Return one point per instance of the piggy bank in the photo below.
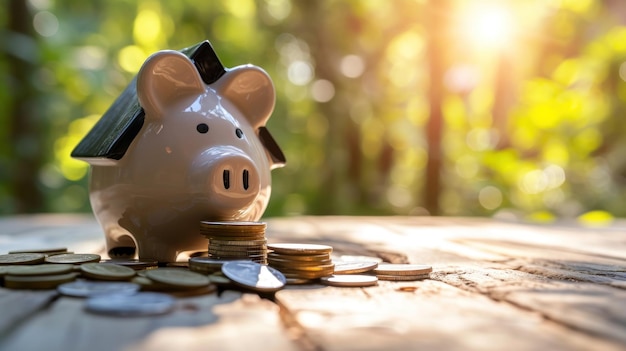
(186, 141)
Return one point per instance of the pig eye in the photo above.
(202, 128)
(239, 133)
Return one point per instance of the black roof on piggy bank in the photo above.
(111, 136)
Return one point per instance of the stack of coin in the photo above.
(236, 240)
(301, 263)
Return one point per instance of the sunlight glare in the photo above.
(488, 25)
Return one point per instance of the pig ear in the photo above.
(165, 77)
(251, 90)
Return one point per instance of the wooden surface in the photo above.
(495, 286)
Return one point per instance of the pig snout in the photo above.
(231, 176)
(235, 176)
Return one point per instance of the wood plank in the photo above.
(19, 305)
(591, 308)
(435, 316)
(232, 321)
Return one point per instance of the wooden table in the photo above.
(495, 286)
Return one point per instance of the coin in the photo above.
(139, 304)
(402, 269)
(290, 263)
(37, 281)
(40, 269)
(299, 281)
(22, 258)
(254, 276)
(45, 251)
(106, 271)
(219, 279)
(86, 289)
(357, 258)
(353, 280)
(73, 258)
(318, 257)
(255, 242)
(305, 275)
(354, 267)
(319, 268)
(178, 277)
(300, 249)
(402, 277)
(133, 263)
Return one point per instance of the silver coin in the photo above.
(254, 276)
(139, 304)
(87, 289)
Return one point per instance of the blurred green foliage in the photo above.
(534, 95)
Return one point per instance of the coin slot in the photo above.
(226, 178)
(246, 176)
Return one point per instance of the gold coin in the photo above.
(40, 269)
(354, 280)
(233, 225)
(177, 277)
(106, 271)
(402, 269)
(354, 267)
(402, 277)
(256, 242)
(289, 263)
(22, 258)
(299, 281)
(305, 275)
(300, 249)
(73, 258)
(177, 265)
(45, 251)
(319, 268)
(38, 281)
(319, 257)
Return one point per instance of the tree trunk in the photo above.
(24, 138)
(436, 40)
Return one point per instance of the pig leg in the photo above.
(120, 244)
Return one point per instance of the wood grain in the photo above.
(495, 285)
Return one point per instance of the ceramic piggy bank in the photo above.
(185, 142)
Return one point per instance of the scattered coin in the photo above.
(175, 277)
(353, 280)
(300, 249)
(22, 258)
(106, 271)
(45, 251)
(402, 269)
(37, 281)
(133, 263)
(205, 265)
(404, 278)
(219, 279)
(254, 276)
(73, 258)
(354, 267)
(86, 289)
(40, 269)
(139, 304)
